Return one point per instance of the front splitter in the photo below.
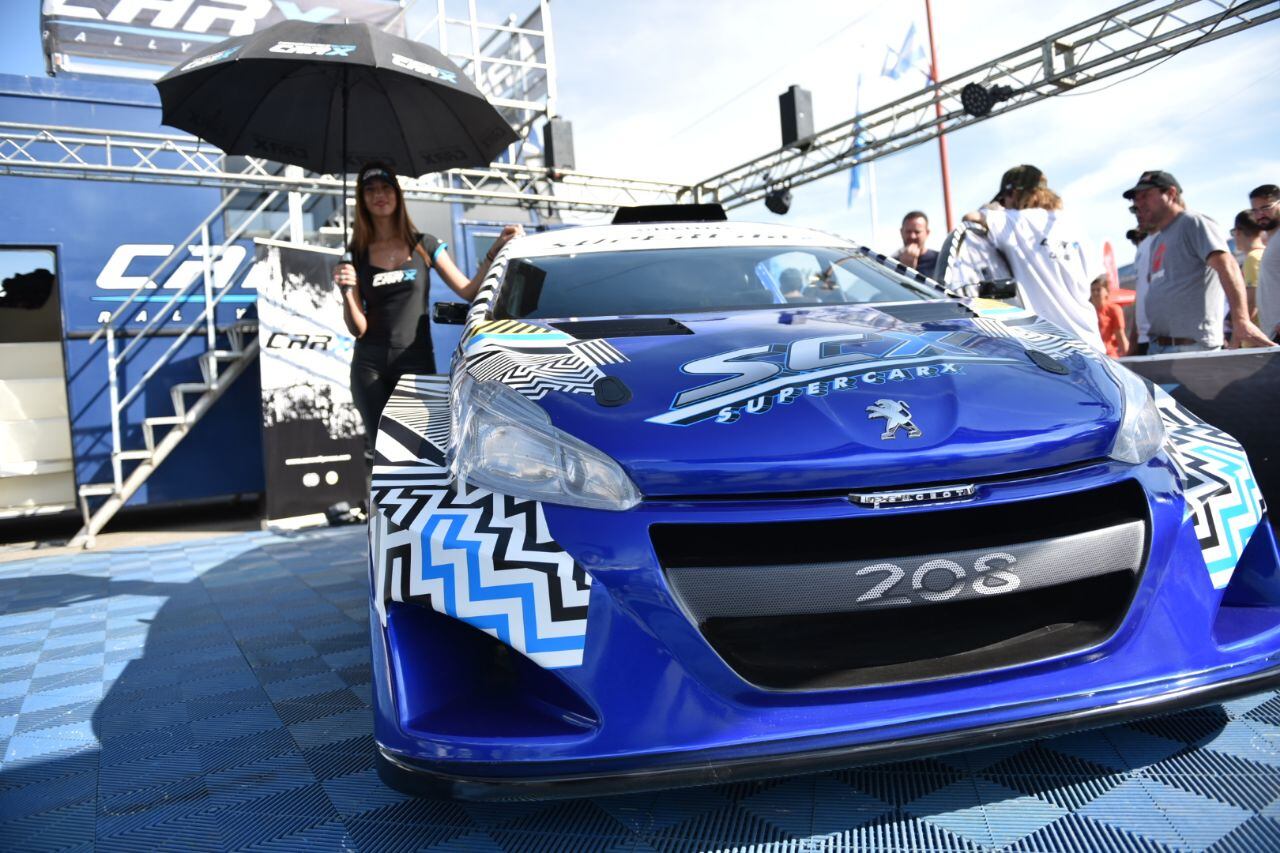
(548, 781)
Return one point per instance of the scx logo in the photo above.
(423, 68)
(761, 376)
(301, 48)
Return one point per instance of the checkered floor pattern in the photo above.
(215, 696)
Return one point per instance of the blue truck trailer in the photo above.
(72, 250)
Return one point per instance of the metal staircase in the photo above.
(228, 352)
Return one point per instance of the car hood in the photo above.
(836, 398)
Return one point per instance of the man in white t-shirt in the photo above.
(1044, 251)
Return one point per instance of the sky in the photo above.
(681, 90)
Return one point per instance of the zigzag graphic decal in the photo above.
(537, 364)
(1036, 334)
(407, 409)
(1221, 494)
(531, 359)
(484, 558)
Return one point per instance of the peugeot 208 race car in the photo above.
(705, 501)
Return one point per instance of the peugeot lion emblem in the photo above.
(896, 414)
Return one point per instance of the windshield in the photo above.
(676, 281)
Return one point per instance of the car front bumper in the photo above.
(652, 704)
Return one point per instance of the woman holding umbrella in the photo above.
(384, 292)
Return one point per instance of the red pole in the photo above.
(937, 106)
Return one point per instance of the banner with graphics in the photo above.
(312, 437)
(164, 32)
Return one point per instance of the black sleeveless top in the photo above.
(395, 301)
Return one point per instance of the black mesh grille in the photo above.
(807, 650)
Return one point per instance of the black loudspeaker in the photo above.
(557, 139)
(796, 106)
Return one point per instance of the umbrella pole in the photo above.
(346, 241)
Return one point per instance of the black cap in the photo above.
(1022, 178)
(1154, 179)
(375, 173)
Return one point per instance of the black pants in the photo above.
(375, 370)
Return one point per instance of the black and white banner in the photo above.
(311, 432)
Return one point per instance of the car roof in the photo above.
(668, 235)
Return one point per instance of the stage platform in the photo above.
(214, 695)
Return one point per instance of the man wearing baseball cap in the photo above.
(1189, 268)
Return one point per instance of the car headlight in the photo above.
(505, 443)
(1141, 433)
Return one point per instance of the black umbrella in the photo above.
(330, 97)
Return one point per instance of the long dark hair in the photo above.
(362, 228)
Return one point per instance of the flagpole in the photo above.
(937, 106)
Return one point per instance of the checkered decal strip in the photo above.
(1217, 484)
(481, 557)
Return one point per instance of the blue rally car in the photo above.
(701, 501)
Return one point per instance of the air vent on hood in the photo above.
(1047, 362)
(924, 312)
(628, 328)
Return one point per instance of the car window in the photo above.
(674, 281)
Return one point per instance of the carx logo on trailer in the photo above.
(132, 265)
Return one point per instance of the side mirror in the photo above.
(1001, 288)
(450, 313)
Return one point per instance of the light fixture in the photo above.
(977, 100)
(778, 200)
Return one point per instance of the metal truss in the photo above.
(1125, 38)
(1132, 35)
(513, 63)
(29, 150)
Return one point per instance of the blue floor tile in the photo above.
(215, 695)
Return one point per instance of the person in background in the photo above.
(1110, 318)
(1188, 271)
(384, 292)
(915, 233)
(1264, 206)
(791, 284)
(1044, 251)
(1138, 338)
(824, 287)
(1247, 236)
